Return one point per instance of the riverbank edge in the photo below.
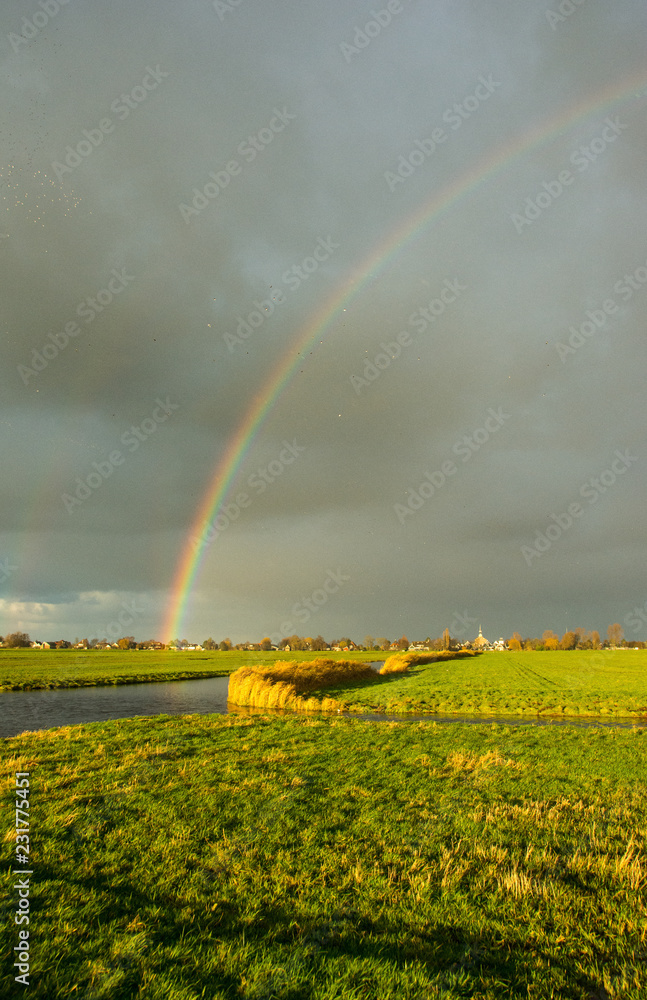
(548, 712)
(57, 685)
(340, 708)
(348, 712)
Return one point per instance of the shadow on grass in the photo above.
(377, 680)
(282, 946)
(451, 955)
(293, 947)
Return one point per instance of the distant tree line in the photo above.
(577, 638)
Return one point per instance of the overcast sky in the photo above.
(170, 168)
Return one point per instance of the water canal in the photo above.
(25, 711)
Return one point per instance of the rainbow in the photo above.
(192, 555)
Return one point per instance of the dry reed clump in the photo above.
(248, 686)
(315, 674)
(282, 684)
(399, 663)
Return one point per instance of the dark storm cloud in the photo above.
(276, 138)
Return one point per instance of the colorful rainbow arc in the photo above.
(192, 556)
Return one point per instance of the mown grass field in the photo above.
(551, 683)
(318, 858)
(27, 669)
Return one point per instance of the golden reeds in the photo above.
(282, 684)
(399, 663)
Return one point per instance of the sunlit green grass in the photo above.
(27, 669)
(314, 858)
(551, 683)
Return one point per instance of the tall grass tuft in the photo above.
(283, 684)
(399, 663)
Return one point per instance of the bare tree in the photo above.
(17, 640)
(615, 633)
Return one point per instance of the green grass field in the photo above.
(550, 683)
(318, 858)
(27, 669)
(529, 683)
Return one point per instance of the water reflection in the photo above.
(23, 711)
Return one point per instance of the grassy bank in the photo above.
(314, 858)
(560, 683)
(307, 686)
(32, 670)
